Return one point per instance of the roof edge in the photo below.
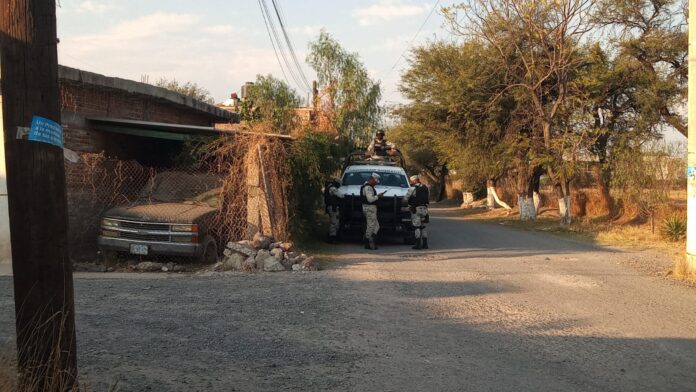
(130, 86)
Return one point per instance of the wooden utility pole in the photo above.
(691, 159)
(43, 283)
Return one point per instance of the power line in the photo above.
(432, 11)
(291, 48)
(268, 30)
(281, 49)
(410, 44)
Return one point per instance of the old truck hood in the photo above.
(160, 212)
(354, 190)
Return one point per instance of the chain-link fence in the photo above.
(236, 187)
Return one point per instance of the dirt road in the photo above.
(488, 308)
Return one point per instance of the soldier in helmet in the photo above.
(369, 197)
(417, 198)
(380, 147)
(332, 201)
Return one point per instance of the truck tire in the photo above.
(108, 256)
(210, 251)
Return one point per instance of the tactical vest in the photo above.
(363, 198)
(420, 197)
(380, 147)
(329, 199)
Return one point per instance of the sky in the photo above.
(221, 44)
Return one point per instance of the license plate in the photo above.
(138, 249)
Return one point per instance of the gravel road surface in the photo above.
(488, 308)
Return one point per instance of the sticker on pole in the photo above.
(46, 131)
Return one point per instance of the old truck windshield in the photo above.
(388, 178)
(179, 186)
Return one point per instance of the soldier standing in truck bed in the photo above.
(380, 147)
(418, 199)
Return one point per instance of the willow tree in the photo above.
(349, 98)
(537, 45)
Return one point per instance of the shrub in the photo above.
(674, 227)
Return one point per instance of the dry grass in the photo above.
(607, 233)
(683, 271)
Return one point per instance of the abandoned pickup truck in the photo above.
(172, 216)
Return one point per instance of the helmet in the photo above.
(380, 133)
(376, 177)
(414, 178)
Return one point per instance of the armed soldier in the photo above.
(418, 199)
(369, 197)
(332, 202)
(380, 147)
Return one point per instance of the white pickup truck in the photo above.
(393, 214)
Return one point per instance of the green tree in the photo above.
(652, 38)
(536, 45)
(272, 100)
(349, 97)
(451, 90)
(188, 89)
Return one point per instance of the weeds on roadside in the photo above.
(674, 228)
(683, 271)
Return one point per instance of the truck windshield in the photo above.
(178, 187)
(388, 178)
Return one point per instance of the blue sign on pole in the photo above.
(46, 131)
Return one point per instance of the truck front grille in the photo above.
(144, 226)
(145, 237)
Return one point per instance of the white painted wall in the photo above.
(5, 255)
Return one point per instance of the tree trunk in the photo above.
(492, 196)
(524, 202)
(490, 190)
(563, 194)
(443, 183)
(532, 195)
(605, 199)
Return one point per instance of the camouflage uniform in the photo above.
(417, 199)
(334, 218)
(417, 219)
(370, 212)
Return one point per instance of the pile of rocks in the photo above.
(264, 254)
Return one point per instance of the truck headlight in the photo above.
(109, 223)
(185, 228)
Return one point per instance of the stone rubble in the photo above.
(260, 254)
(264, 254)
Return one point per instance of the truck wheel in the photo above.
(108, 256)
(210, 251)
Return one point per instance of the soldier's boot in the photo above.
(419, 244)
(425, 243)
(371, 243)
(333, 239)
(367, 243)
(374, 241)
